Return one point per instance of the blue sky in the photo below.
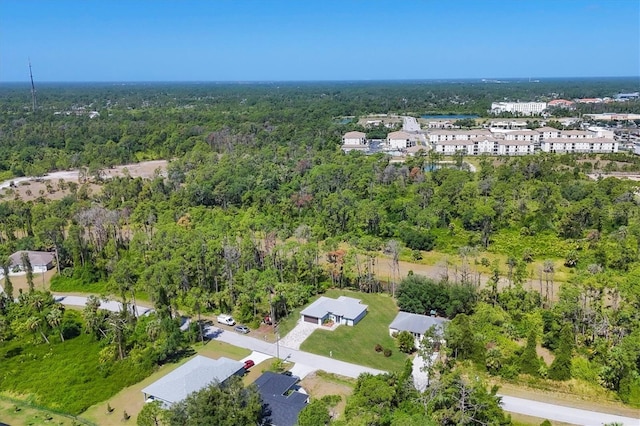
(252, 40)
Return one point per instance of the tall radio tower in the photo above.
(33, 89)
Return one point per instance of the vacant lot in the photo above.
(320, 384)
(356, 344)
(54, 186)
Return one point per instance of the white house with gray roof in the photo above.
(415, 324)
(192, 376)
(343, 310)
(41, 261)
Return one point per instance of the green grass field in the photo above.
(63, 376)
(356, 344)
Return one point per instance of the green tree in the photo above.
(405, 341)
(560, 368)
(151, 414)
(227, 404)
(454, 400)
(28, 268)
(529, 361)
(314, 414)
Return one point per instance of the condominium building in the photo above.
(400, 140)
(579, 145)
(521, 142)
(524, 108)
(354, 141)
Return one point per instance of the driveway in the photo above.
(299, 334)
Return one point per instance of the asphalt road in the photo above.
(563, 414)
(410, 124)
(310, 362)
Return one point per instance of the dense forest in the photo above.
(259, 210)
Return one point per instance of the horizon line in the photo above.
(442, 79)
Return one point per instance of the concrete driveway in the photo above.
(299, 334)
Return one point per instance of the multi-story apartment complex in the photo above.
(524, 108)
(354, 141)
(520, 142)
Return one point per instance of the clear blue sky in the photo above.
(243, 40)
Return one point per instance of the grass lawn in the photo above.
(131, 400)
(30, 416)
(356, 344)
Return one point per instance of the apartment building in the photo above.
(354, 141)
(400, 140)
(521, 142)
(524, 108)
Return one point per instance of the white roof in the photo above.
(415, 323)
(346, 307)
(192, 376)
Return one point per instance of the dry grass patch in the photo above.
(321, 384)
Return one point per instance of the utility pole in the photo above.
(33, 89)
(275, 324)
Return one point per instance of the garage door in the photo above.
(310, 319)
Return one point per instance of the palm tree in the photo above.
(54, 318)
(34, 324)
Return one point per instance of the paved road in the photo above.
(307, 362)
(563, 414)
(107, 305)
(410, 124)
(316, 361)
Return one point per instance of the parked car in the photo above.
(248, 364)
(242, 329)
(226, 319)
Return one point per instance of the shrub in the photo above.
(405, 342)
(378, 347)
(387, 352)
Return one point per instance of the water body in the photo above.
(449, 117)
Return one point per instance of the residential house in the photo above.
(343, 310)
(192, 376)
(41, 261)
(282, 400)
(415, 324)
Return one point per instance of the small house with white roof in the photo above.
(343, 310)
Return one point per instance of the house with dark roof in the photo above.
(343, 310)
(192, 376)
(281, 397)
(415, 324)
